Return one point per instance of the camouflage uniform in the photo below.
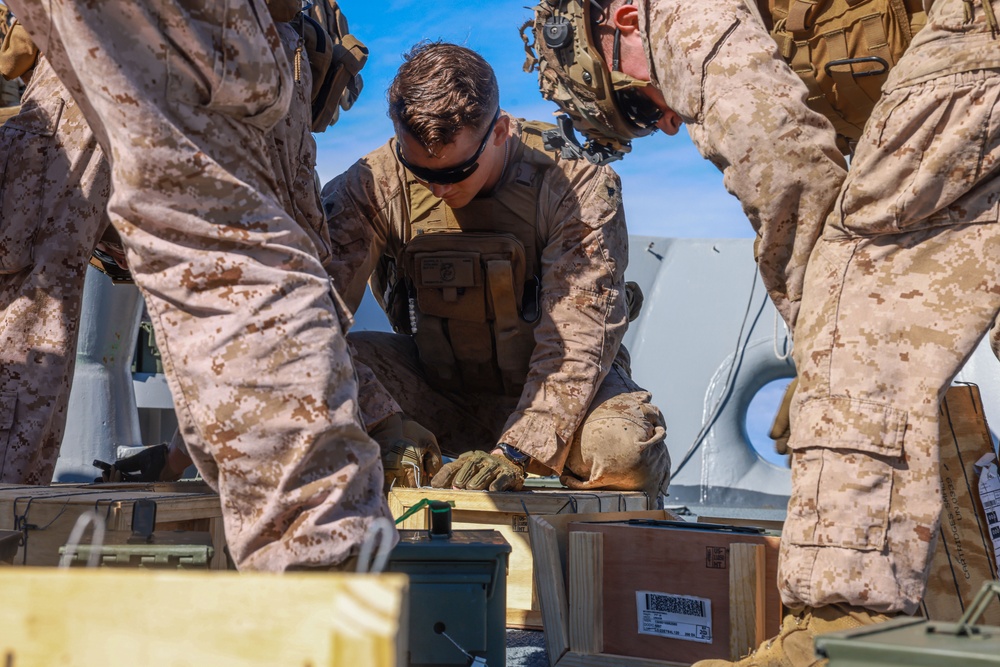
(579, 413)
(719, 69)
(54, 189)
(900, 288)
(180, 96)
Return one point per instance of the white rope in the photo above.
(379, 528)
(75, 535)
(774, 341)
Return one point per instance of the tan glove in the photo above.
(479, 470)
(781, 429)
(410, 453)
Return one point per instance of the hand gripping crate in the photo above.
(45, 515)
(508, 514)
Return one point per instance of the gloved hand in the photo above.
(479, 470)
(781, 429)
(146, 466)
(410, 453)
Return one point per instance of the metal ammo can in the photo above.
(458, 594)
(917, 642)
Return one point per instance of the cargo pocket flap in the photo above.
(845, 423)
(40, 117)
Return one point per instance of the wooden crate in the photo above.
(582, 576)
(161, 618)
(47, 514)
(508, 513)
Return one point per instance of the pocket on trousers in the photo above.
(228, 58)
(843, 488)
(26, 147)
(925, 160)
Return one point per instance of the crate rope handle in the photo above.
(75, 535)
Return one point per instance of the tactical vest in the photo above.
(466, 282)
(843, 51)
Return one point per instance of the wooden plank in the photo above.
(586, 599)
(573, 659)
(524, 619)
(551, 589)
(53, 616)
(747, 568)
(543, 501)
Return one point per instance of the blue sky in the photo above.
(669, 189)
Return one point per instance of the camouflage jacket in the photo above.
(720, 70)
(581, 252)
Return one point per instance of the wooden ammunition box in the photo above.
(45, 515)
(615, 593)
(508, 514)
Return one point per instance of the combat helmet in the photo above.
(604, 106)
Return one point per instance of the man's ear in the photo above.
(501, 130)
(626, 18)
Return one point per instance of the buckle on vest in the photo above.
(854, 61)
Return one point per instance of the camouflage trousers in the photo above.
(180, 93)
(619, 445)
(54, 188)
(900, 289)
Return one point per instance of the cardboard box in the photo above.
(45, 515)
(508, 513)
(575, 601)
(963, 560)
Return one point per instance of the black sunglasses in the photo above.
(454, 174)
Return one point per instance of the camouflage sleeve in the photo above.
(584, 316)
(360, 212)
(746, 112)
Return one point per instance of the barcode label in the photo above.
(674, 616)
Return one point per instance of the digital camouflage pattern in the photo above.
(249, 328)
(54, 188)
(719, 69)
(900, 289)
(582, 252)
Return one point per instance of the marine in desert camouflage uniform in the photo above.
(901, 287)
(54, 189)
(250, 330)
(541, 368)
(898, 292)
(716, 69)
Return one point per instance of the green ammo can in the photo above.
(458, 593)
(917, 642)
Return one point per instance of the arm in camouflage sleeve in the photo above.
(363, 208)
(358, 216)
(584, 316)
(746, 112)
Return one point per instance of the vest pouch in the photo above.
(843, 51)
(468, 287)
(449, 284)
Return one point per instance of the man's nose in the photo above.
(439, 190)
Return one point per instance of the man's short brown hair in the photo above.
(441, 89)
